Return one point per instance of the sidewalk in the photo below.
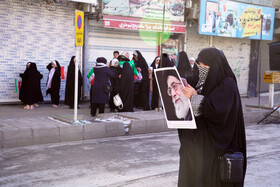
(19, 127)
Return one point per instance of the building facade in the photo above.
(42, 31)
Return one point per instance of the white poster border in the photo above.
(179, 123)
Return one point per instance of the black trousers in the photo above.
(94, 106)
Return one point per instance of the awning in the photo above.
(132, 23)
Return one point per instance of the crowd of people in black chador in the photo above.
(132, 79)
(30, 92)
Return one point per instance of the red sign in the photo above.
(146, 25)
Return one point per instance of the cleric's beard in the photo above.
(182, 107)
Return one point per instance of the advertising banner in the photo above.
(151, 9)
(238, 20)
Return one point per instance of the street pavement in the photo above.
(143, 160)
(45, 124)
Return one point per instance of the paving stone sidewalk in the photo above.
(19, 127)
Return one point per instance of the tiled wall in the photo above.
(33, 31)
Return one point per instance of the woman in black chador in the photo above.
(70, 84)
(155, 97)
(142, 64)
(53, 83)
(186, 70)
(30, 92)
(220, 124)
(127, 87)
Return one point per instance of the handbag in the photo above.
(231, 167)
(118, 101)
(107, 87)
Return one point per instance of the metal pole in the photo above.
(259, 100)
(76, 90)
(211, 41)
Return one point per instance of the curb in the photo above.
(36, 131)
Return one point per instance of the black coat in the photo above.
(70, 84)
(102, 76)
(30, 92)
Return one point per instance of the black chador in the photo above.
(186, 70)
(70, 84)
(127, 87)
(53, 83)
(141, 63)
(30, 92)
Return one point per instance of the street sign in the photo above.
(79, 22)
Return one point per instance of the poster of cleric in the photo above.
(177, 107)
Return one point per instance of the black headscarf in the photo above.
(219, 68)
(142, 63)
(183, 64)
(57, 68)
(165, 60)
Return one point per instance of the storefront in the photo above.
(132, 30)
